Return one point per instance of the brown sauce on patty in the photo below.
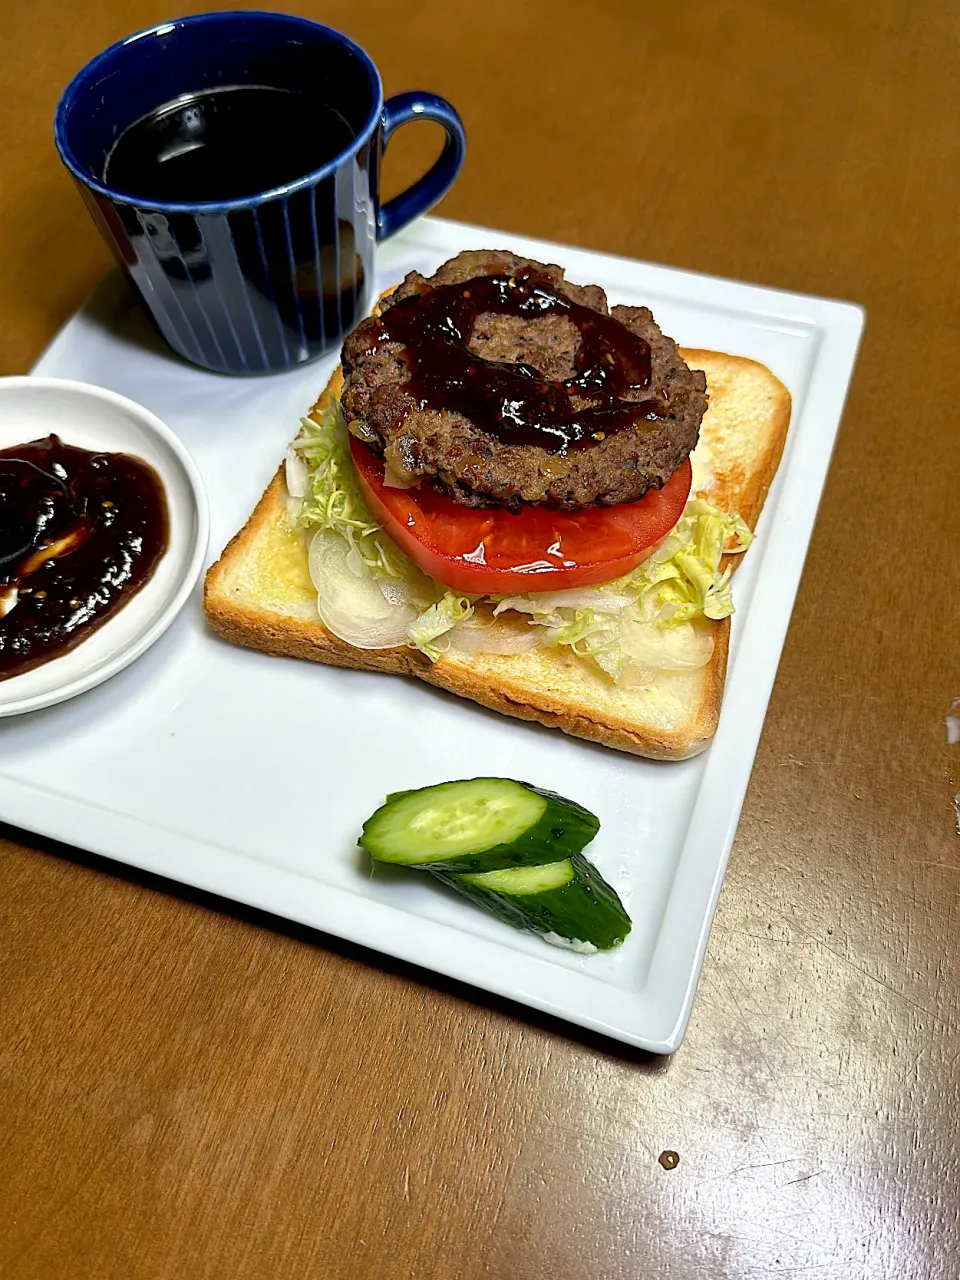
(513, 401)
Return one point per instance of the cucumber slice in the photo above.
(569, 903)
(477, 825)
(518, 882)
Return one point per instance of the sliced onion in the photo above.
(296, 473)
(492, 637)
(413, 588)
(395, 591)
(680, 648)
(393, 479)
(547, 601)
(366, 434)
(355, 562)
(352, 607)
(365, 633)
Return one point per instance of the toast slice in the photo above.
(259, 595)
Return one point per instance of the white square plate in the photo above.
(250, 776)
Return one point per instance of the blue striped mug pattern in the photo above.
(267, 282)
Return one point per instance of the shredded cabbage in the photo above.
(436, 621)
(618, 627)
(590, 634)
(333, 499)
(682, 578)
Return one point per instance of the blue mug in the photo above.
(266, 281)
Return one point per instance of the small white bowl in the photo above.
(93, 418)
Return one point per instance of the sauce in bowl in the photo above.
(80, 534)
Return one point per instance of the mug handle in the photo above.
(438, 180)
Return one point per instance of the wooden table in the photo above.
(190, 1091)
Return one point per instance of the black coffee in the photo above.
(226, 143)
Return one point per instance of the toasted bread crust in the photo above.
(490, 679)
(556, 690)
(734, 488)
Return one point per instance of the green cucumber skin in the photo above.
(563, 829)
(587, 908)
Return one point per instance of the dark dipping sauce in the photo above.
(80, 534)
(515, 402)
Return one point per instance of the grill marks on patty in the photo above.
(476, 468)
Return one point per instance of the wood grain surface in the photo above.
(189, 1091)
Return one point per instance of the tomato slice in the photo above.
(493, 551)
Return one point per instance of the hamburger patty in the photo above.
(477, 467)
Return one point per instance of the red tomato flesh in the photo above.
(493, 551)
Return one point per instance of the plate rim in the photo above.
(648, 1023)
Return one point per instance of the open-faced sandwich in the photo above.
(515, 493)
